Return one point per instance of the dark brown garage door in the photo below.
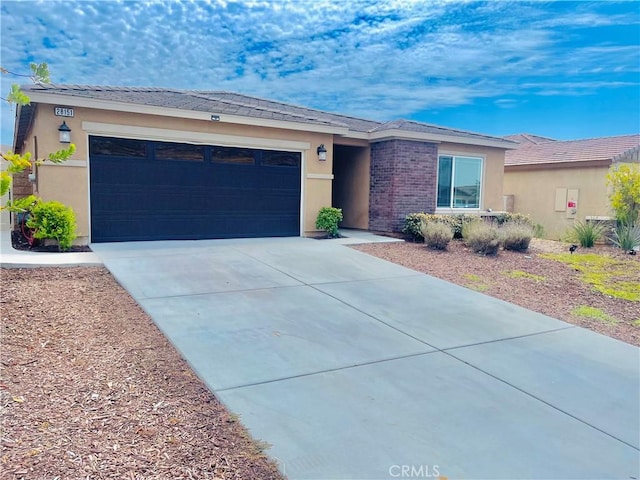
(146, 190)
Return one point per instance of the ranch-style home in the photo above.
(159, 163)
(558, 183)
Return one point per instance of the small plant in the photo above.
(626, 236)
(53, 220)
(476, 283)
(328, 219)
(516, 236)
(594, 313)
(436, 235)
(523, 274)
(587, 233)
(482, 237)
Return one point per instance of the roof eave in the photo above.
(82, 102)
(557, 165)
(397, 134)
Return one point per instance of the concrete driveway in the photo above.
(355, 368)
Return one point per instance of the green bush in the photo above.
(483, 237)
(53, 220)
(587, 233)
(516, 236)
(626, 236)
(328, 219)
(437, 235)
(413, 225)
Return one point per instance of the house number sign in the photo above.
(63, 112)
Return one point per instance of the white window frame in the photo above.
(451, 209)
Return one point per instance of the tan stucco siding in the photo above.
(534, 194)
(492, 174)
(69, 183)
(351, 186)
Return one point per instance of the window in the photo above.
(280, 159)
(233, 156)
(179, 151)
(117, 147)
(459, 181)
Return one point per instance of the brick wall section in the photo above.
(403, 181)
(21, 186)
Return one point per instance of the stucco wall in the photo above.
(351, 185)
(535, 193)
(69, 182)
(492, 174)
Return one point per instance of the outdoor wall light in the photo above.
(65, 133)
(322, 153)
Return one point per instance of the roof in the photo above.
(234, 106)
(529, 139)
(604, 150)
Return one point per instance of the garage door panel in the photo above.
(146, 198)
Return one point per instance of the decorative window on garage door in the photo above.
(459, 181)
(183, 152)
(118, 147)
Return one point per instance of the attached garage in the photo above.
(150, 190)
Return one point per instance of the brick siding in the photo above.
(403, 181)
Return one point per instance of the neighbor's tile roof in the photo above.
(221, 102)
(591, 149)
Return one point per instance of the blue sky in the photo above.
(559, 69)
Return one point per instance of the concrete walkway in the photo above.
(351, 367)
(12, 258)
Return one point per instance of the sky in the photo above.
(564, 70)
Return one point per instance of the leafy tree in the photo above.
(624, 181)
(17, 162)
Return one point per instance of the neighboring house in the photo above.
(559, 182)
(155, 163)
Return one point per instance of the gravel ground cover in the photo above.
(91, 389)
(530, 280)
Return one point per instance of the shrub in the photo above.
(437, 235)
(328, 219)
(587, 233)
(516, 236)
(413, 225)
(482, 237)
(55, 221)
(507, 217)
(626, 236)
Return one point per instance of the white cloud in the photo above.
(379, 59)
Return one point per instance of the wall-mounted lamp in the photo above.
(65, 133)
(322, 153)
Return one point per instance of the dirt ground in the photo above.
(91, 389)
(557, 291)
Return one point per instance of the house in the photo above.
(560, 182)
(158, 163)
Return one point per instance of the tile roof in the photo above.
(222, 102)
(572, 151)
(527, 138)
